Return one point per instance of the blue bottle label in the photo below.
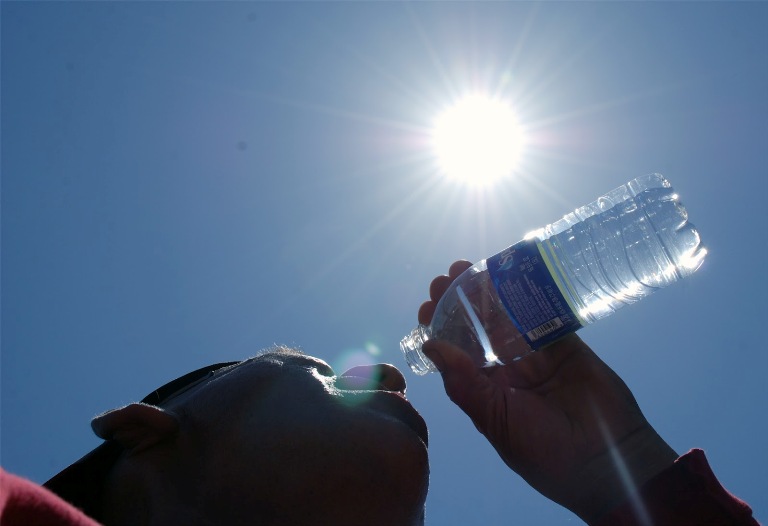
(531, 295)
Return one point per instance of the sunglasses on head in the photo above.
(183, 384)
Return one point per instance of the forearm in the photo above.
(616, 476)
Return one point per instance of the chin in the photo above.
(407, 471)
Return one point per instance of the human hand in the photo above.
(560, 417)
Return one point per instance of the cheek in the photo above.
(333, 444)
(330, 455)
(373, 453)
(385, 472)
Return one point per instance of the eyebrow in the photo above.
(280, 350)
(304, 358)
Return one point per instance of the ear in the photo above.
(136, 427)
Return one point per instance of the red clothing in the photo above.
(688, 493)
(685, 494)
(24, 503)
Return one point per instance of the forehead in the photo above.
(280, 357)
(270, 363)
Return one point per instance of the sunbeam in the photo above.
(631, 489)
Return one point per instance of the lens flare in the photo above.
(361, 381)
(350, 358)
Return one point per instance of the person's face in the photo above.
(285, 439)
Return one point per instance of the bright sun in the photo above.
(478, 140)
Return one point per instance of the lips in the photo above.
(394, 404)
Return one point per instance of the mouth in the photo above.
(394, 404)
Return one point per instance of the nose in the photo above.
(380, 376)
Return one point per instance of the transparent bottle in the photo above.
(610, 253)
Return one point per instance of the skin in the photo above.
(560, 417)
(279, 439)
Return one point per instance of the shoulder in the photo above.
(24, 502)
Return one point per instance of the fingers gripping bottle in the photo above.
(571, 273)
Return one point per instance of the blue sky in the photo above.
(187, 183)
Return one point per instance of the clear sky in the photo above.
(187, 183)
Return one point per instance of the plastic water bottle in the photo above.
(600, 257)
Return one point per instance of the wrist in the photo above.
(617, 474)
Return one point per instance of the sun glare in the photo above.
(478, 140)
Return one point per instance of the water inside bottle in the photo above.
(612, 256)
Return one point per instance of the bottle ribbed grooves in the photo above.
(411, 347)
(597, 286)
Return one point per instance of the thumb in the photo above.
(464, 384)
